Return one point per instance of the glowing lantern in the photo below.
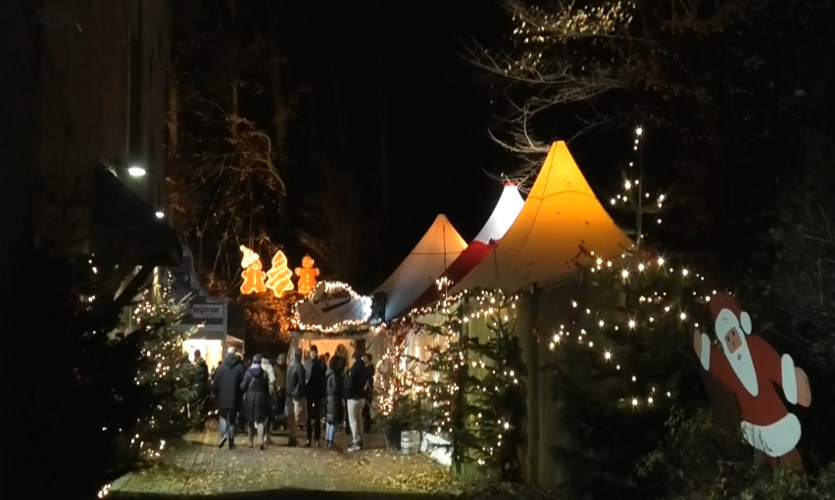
(253, 273)
(279, 277)
(307, 275)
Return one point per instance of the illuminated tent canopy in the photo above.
(561, 223)
(438, 248)
(506, 211)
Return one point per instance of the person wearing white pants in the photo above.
(355, 388)
(355, 407)
(296, 403)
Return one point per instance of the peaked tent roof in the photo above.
(506, 211)
(438, 248)
(561, 221)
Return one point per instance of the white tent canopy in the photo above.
(507, 209)
(438, 248)
(561, 223)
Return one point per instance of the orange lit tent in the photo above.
(438, 248)
(562, 222)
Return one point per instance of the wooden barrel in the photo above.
(410, 442)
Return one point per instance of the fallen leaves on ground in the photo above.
(250, 470)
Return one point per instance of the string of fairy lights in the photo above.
(538, 30)
(158, 310)
(359, 321)
(430, 372)
(636, 197)
(655, 307)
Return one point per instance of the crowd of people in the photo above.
(327, 391)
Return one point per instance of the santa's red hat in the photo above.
(723, 305)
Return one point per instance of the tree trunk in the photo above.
(280, 113)
(382, 109)
(233, 54)
(173, 117)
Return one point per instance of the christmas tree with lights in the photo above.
(397, 387)
(496, 393)
(444, 376)
(624, 357)
(471, 384)
(165, 372)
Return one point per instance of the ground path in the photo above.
(196, 467)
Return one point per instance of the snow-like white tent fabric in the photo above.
(438, 248)
(561, 223)
(507, 209)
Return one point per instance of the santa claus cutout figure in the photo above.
(752, 370)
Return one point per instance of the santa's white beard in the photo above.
(743, 365)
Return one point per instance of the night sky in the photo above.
(377, 84)
(411, 63)
(438, 115)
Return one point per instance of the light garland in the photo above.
(539, 31)
(342, 326)
(435, 378)
(636, 197)
(164, 370)
(657, 307)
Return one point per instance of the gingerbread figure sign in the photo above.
(253, 273)
(279, 278)
(307, 275)
(752, 370)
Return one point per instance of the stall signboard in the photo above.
(333, 305)
(206, 315)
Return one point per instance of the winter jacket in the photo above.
(257, 399)
(355, 381)
(295, 380)
(200, 377)
(268, 370)
(280, 371)
(333, 385)
(226, 385)
(315, 370)
(370, 371)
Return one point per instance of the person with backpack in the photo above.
(226, 388)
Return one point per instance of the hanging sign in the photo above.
(205, 315)
(332, 306)
(207, 311)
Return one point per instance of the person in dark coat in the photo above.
(369, 392)
(296, 403)
(256, 385)
(333, 406)
(226, 387)
(355, 387)
(200, 385)
(314, 370)
(281, 391)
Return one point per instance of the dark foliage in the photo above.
(624, 357)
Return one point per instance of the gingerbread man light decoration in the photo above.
(253, 273)
(279, 277)
(307, 275)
